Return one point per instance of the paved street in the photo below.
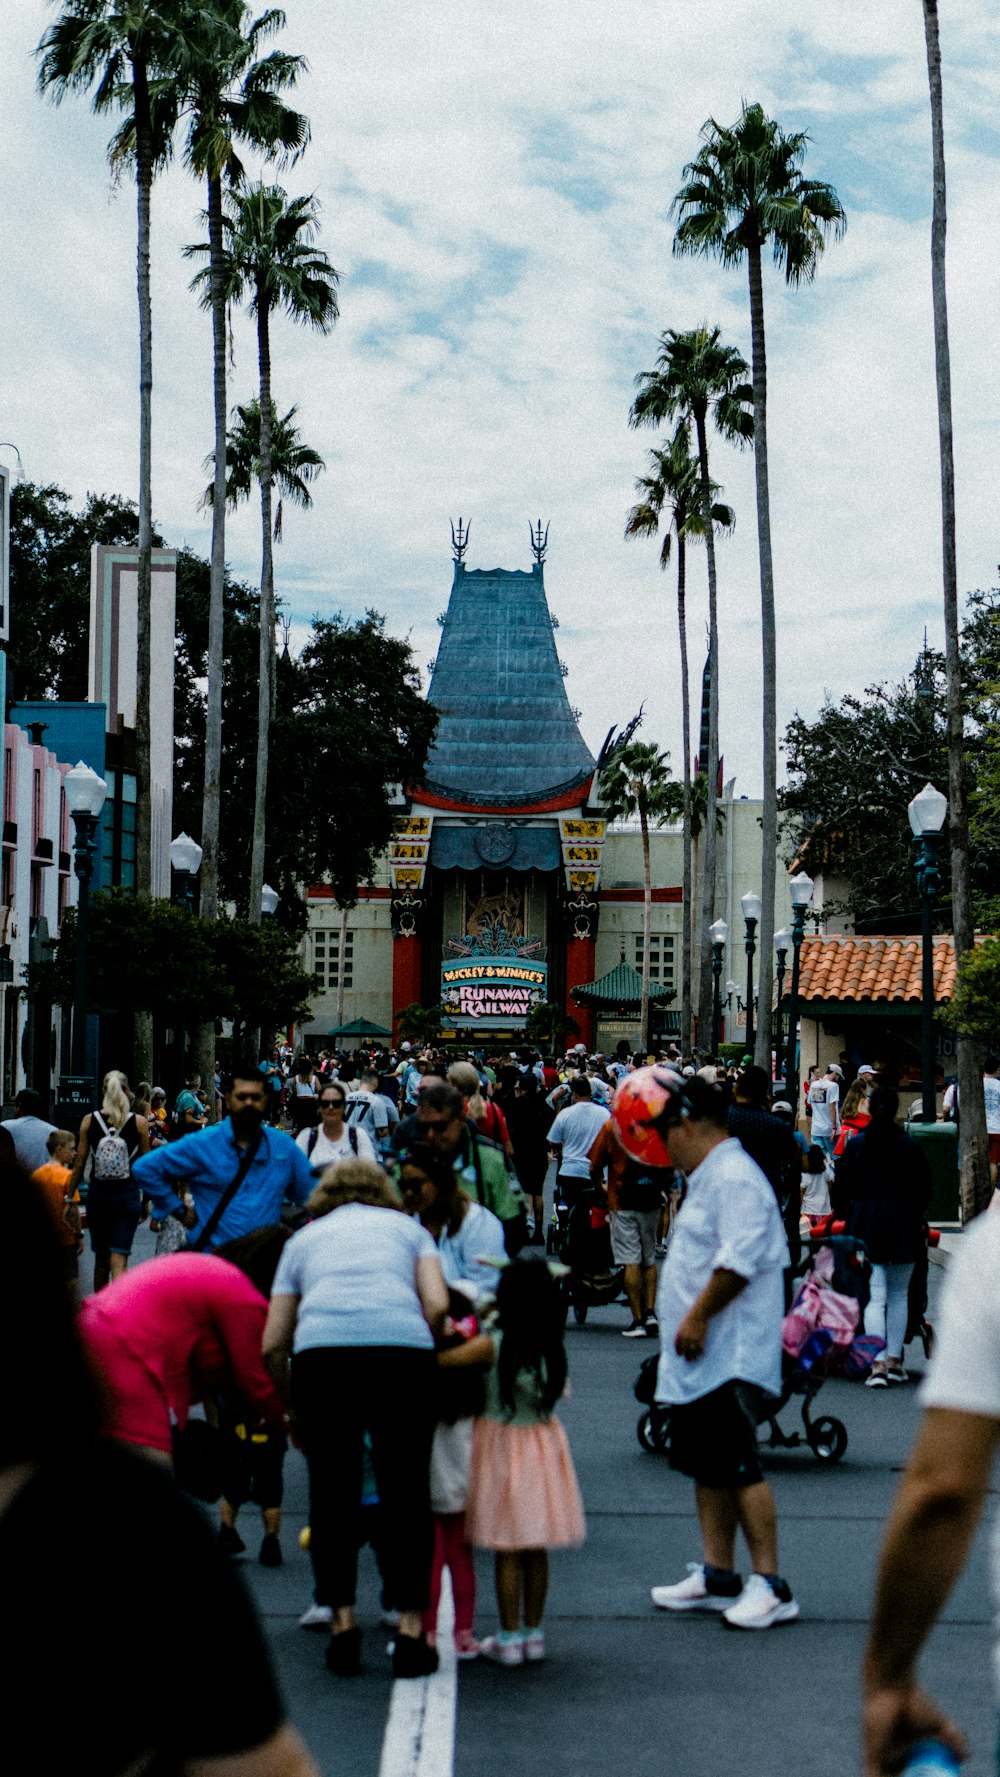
(625, 1689)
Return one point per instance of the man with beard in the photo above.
(238, 1173)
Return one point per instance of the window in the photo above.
(661, 958)
(326, 958)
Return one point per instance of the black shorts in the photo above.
(113, 1215)
(252, 1466)
(714, 1439)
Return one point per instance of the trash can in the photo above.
(940, 1143)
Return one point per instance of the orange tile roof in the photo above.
(868, 969)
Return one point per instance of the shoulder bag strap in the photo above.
(228, 1194)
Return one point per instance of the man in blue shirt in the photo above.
(205, 1164)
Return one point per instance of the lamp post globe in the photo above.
(185, 858)
(782, 940)
(751, 905)
(718, 931)
(927, 813)
(800, 891)
(269, 899)
(85, 793)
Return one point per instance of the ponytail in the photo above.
(116, 1105)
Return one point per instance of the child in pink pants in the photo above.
(451, 1459)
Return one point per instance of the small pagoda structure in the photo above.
(496, 860)
(617, 997)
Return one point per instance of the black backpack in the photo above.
(641, 1187)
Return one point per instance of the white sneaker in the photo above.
(318, 1616)
(502, 1653)
(636, 1330)
(759, 1607)
(534, 1645)
(692, 1593)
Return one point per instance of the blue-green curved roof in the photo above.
(507, 732)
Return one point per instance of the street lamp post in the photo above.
(718, 932)
(185, 858)
(750, 904)
(800, 889)
(85, 794)
(927, 814)
(782, 940)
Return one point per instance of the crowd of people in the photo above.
(354, 1257)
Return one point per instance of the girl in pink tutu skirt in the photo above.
(523, 1494)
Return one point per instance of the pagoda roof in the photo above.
(507, 735)
(621, 986)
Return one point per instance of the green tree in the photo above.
(671, 490)
(745, 190)
(233, 98)
(696, 376)
(420, 1024)
(272, 262)
(128, 52)
(294, 465)
(975, 1009)
(637, 783)
(550, 1025)
(975, 1172)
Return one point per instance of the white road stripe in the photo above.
(419, 1738)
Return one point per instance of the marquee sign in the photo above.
(488, 991)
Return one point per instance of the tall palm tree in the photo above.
(696, 375)
(130, 51)
(638, 782)
(294, 465)
(745, 190)
(672, 489)
(271, 262)
(974, 1173)
(233, 99)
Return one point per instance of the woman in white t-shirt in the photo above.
(333, 1141)
(356, 1303)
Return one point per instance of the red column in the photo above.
(581, 965)
(407, 973)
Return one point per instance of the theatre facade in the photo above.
(505, 885)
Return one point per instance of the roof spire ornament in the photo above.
(459, 540)
(539, 543)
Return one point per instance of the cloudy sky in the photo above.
(495, 183)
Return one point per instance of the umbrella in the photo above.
(360, 1027)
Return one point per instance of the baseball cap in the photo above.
(782, 1104)
(865, 1069)
(834, 1069)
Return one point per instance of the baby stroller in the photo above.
(828, 1328)
(580, 1238)
(917, 1325)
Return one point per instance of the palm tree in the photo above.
(272, 263)
(744, 190)
(696, 375)
(975, 1177)
(293, 464)
(672, 487)
(637, 782)
(232, 98)
(129, 50)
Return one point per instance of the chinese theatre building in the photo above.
(502, 859)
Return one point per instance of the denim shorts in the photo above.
(113, 1215)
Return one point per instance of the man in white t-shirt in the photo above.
(572, 1136)
(938, 1506)
(720, 1306)
(824, 1103)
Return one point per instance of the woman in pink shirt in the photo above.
(176, 1330)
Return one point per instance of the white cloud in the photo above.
(495, 185)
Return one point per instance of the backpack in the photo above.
(641, 1188)
(112, 1161)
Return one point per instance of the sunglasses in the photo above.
(330, 1104)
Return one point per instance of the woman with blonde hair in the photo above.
(485, 1114)
(111, 1138)
(358, 1298)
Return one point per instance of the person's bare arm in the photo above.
(722, 1288)
(82, 1150)
(276, 1347)
(284, 1755)
(933, 1521)
(480, 1350)
(142, 1131)
(432, 1290)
